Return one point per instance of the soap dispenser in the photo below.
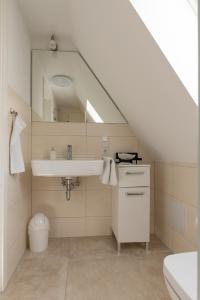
(52, 154)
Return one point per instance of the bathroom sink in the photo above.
(66, 168)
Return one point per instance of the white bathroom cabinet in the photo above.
(131, 205)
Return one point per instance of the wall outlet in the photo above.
(104, 146)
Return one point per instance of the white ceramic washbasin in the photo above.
(66, 168)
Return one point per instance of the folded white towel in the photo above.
(109, 175)
(16, 157)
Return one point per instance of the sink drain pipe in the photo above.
(70, 183)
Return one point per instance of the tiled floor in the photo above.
(90, 269)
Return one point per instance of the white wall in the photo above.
(39, 42)
(131, 66)
(123, 54)
(16, 77)
(3, 90)
(18, 51)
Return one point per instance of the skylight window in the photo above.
(173, 24)
(193, 4)
(93, 113)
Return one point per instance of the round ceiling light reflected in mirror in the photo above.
(61, 80)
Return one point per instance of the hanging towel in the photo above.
(109, 175)
(113, 174)
(16, 156)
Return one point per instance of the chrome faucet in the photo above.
(69, 152)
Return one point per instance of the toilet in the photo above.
(180, 273)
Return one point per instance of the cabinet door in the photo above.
(134, 176)
(134, 215)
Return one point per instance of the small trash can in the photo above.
(38, 231)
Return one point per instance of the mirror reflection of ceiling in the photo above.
(64, 89)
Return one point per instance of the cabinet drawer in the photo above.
(133, 194)
(134, 176)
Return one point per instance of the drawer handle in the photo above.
(134, 173)
(135, 194)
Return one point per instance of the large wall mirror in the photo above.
(64, 89)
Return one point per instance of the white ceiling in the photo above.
(44, 17)
(116, 44)
(66, 97)
(47, 16)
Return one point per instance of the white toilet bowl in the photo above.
(180, 272)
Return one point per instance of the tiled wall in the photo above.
(88, 212)
(19, 190)
(176, 205)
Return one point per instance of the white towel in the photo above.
(113, 174)
(109, 175)
(16, 156)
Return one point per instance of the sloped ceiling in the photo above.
(119, 48)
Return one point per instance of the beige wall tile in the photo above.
(152, 200)
(109, 130)
(145, 153)
(165, 178)
(176, 183)
(67, 227)
(152, 208)
(98, 226)
(55, 128)
(54, 204)
(192, 224)
(152, 175)
(180, 244)
(179, 181)
(48, 194)
(41, 146)
(98, 203)
(185, 184)
(159, 211)
(116, 144)
(170, 212)
(94, 183)
(53, 184)
(165, 234)
(152, 225)
(94, 147)
(47, 184)
(120, 144)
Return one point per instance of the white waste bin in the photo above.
(38, 231)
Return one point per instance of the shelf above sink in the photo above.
(66, 168)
